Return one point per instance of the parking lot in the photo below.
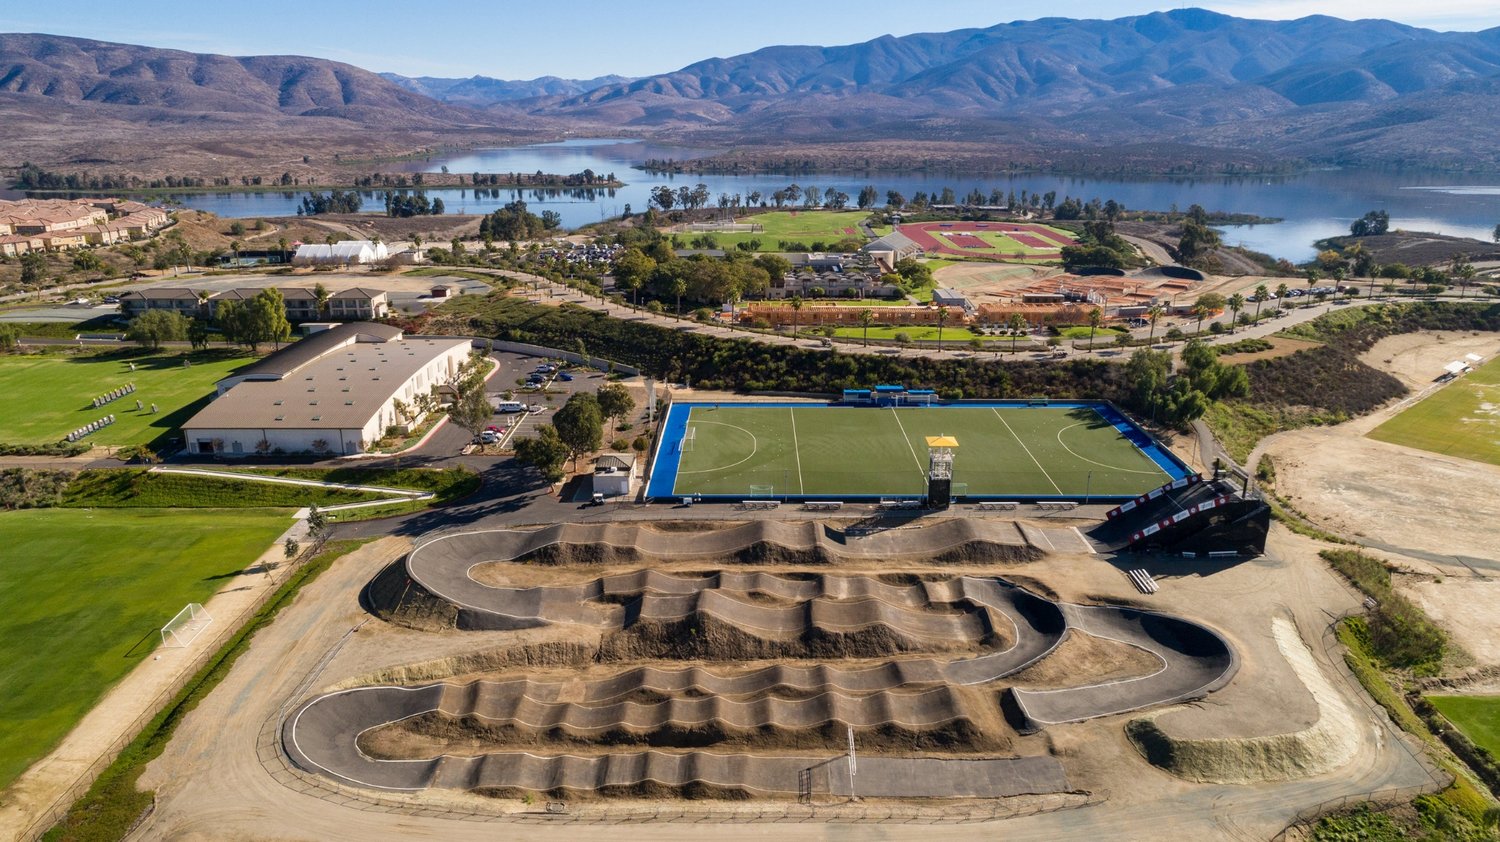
(509, 383)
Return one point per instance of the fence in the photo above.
(59, 807)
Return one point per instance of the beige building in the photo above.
(335, 392)
(30, 224)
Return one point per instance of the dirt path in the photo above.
(137, 697)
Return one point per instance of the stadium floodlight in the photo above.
(181, 630)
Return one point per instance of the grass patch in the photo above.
(1476, 716)
(1457, 420)
(50, 395)
(137, 488)
(1397, 633)
(82, 595)
(446, 484)
(1244, 346)
(113, 803)
(917, 333)
(1082, 332)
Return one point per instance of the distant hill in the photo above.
(481, 91)
(168, 84)
(1187, 75)
(1186, 85)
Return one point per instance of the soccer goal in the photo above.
(762, 490)
(190, 622)
(688, 439)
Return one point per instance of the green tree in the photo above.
(580, 424)
(1155, 312)
(1372, 224)
(1208, 302)
(942, 318)
(1197, 241)
(633, 268)
(679, 286)
(472, 410)
(546, 452)
(154, 327)
(10, 336)
(1235, 303)
(322, 295)
(268, 316)
(1096, 318)
(1017, 324)
(867, 318)
(796, 309)
(615, 403)
(1261, 294)
(1281, 295)
(33, 267)
(198, 334)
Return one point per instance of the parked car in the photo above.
(489, 437)
(564, 376)
(111, 299)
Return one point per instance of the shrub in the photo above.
(1400, 635)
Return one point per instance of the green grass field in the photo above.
(842, 451)
(83, 593)
(918, 333)
(805, 227)
(1461, 419)
(49, 395)
(1477, 716)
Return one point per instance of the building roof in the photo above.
(894, 241)
(612, 461)
(340, 390)
(161, 293)
(293, 357)
(358, 292)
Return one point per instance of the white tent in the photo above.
(342, 252)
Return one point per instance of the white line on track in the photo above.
(796, 451)
(1027, 449)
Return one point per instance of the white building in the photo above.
(334, 392)
(613, 475)
(342, 253)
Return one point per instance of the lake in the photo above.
(1314, 204)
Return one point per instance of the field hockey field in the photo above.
(806, 227)
(812, 450)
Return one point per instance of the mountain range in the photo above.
(1317, 89)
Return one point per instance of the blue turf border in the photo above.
(669, 451)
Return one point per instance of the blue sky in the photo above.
(585, 38)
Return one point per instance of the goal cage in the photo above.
(762, 491)
(688, 439)
(180, 631)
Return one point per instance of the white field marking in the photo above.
(1027, 449)
(915, 458)
(796, 450)
(754, 448)
(1087, 547)
(1076, 455)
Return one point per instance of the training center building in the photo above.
(334, 392)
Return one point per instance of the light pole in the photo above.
(1088, 485)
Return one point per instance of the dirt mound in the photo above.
(703, 638)
(1083, 658)
(394, 597)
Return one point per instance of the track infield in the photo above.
(1014, 241)
(809, 451)
(1461, 419)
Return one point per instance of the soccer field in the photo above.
(810, 450)
(1461, 419)
(83, 593)
(49, 395)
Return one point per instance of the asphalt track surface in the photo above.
(916, 694)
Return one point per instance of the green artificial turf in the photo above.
(83, 594)
(46, 396)
(844, 451)
(1477, 716)
(1461, 419)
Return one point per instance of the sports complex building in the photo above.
(886, 442)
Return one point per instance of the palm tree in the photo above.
(679, 286)
(796, 308)
(866, 318)
(1153, 314)
(1281, 291)
(1261, 294)
(281, 244)
(234, 246)
(1016, 323)
(1200, 311)
(942, 317)
(1096, 317)
(1236, 302)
